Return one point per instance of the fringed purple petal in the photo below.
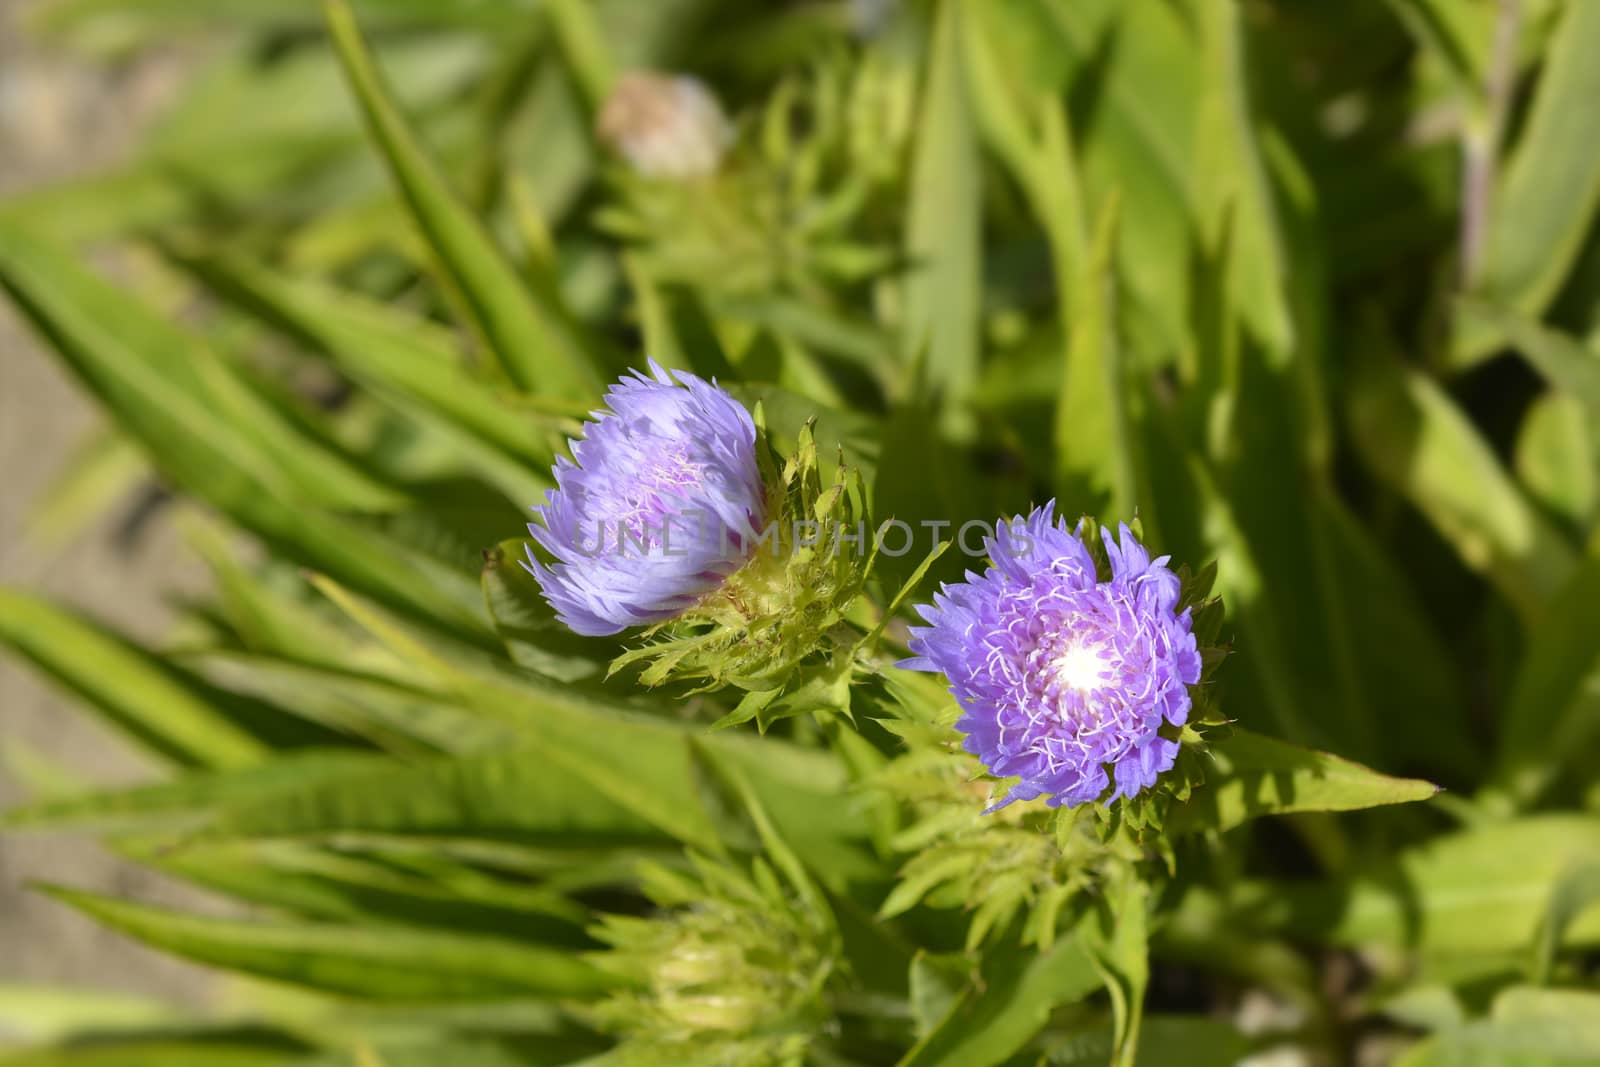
(654, 509)
(1064, 680)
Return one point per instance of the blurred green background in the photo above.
(1313, 288)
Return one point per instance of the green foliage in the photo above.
(1309, 290)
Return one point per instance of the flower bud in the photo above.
(731, 973)
(665, 126)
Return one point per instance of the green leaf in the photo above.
(1480, 890)
(171, 714)
(1577, 890)
(816, 327)
(1417, 440)
(1551, 190)
(545, 1051)
(540, 346)
(1392, 638)
(89, 21)
(643, 764)
(237, 95)
(268, 617)
(528, 625)
(1458, 34)
(143, 194)
(193, 798)
(1526, 1027)
(1026, 122)
(154, 383)
(1554, 706)
(379, 701)
(1094, 448)
(1562, 361)
(1136, 69)
(1253, 776)
(1119, 944)
(934, 982)
(160, 1051)
(585, 48)
(1555, 457)
(41, 1013)
(345, 885)
(1277, 688)
(1232, 188)
(986, 1025)
(943, 237)
(104, 468)
(777, 849)
(152, 374)
(527, 794)
(808, 796)
(409, 362)
(372, 963)
(1193, 1041)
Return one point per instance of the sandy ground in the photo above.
(59, 117)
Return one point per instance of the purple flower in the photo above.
(655, 508)
(1060, 674)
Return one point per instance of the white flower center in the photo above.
(1079, 667)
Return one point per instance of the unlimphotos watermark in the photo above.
(677, 535)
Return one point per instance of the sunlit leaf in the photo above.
(1253, 776)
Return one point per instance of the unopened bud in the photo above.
(665, 126)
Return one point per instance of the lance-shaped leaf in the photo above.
(943, 236)
(192, 798)
(346, 886)
(1136, 76)
(1557, 447)
(541, 347)
(1094, 445)
(40, 1012)
(1253, 775)
(373, 963)
(153, 374)
(410, 362)
(1417, 440)
(173, 715)
(986, 1025)
(1551, 191)
(165, 1049)
(1554, 706)
(532, 794)
(234, 454)
(1231, 183)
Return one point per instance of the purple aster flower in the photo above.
(1061, 675)
(655, 508)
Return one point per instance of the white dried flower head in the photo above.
(665, 126)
